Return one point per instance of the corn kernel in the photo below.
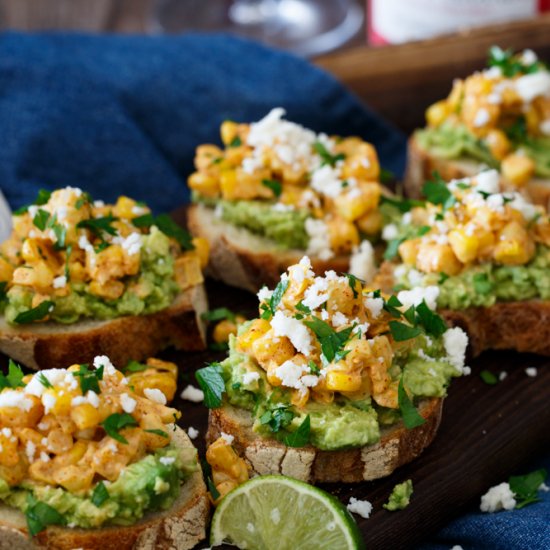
(187, 271)
(223, 330)
(498, 143)
(342, 381)
(464, 245)
(517, 169)
(204, 184)
(111, 290)
(343, 235)
(85, 416)
(437, 113)
(370, 223)
(257, 328)
(228, 131)
(202, 249)
(408, 250)
(124, 208)
(437, 258)
(6, 270)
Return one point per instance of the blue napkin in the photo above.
(123, 115)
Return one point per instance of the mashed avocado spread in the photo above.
(483, 285)
(454, 141)
(152, 483)
(343, 423)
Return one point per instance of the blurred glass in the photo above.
(305, 27)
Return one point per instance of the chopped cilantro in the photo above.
(98, 226)
(41, 218)
(488, 377)
(39, 515)
(326, 157)
(44, 381)
(36, 313)
(89, 379)
(274, 185)
(218, 314)
(313, 368)
(352, 281)
(116, 422)
(100, 494)
(411, 417)
(401, 332)
(330, 340)
(14, 378)
(437, 192)
(168, 226)
(401, 203)
(392, 306)
(525, 488)
(433, 324)
(161, 433)
(236, 142)
(300, 437)
(278, 417)
(135, 366)
(212, 384)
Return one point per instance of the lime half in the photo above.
(280, 513)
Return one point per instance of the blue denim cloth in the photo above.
(123, 115)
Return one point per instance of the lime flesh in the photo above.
(280, 513)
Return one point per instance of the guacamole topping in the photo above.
(472, 244)
(84, 448)
(324, 362)
(400, 496)
(70, 257)
(292, 186)
(499, 116)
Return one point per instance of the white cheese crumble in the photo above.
(362, 264)
(502, 375)
(390, 232)
(294, 330)
(60, 282)
(128, 403)
(228, 438)
(167, 460)
(105, 362)
(49, 401)
(132, 243)
(374, 305)
(193, 433)
(319, 240)
(316, 294)
(498, 498)
(415, 297)
(455, 342)
(56, 377)
(30, 449)
(544, 127)
(155, 395)
(531, 86)
(250, 377)
(362, 508)
(190, 393)
(264, 294)
(531, 371)
(481, 118)
(327, 181)
(339, 319)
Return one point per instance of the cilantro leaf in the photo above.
(171, 229)
(100, 494)
(437, 192)
(411, 417)
(146, 220)
(482, 284)
(89, 379)
(300, 437)
(274, 185)
(236, 142)
(401, 332)
(330, 340)
(98, 226)
(303, 308)
(401, 203)
(36, 313)
(352, 282)
(43, 197)
(430, 320)
(488, 377)
(14, 378)
(392, 306)
(157, 432)
(116, 422)
(135, 366)
(392, 248)
(526, 487)
(313, 368)
(212, 488)
(268, 310)
(85, 198)
(39, 515)
(41, 218)
(442, 278)
(218, 314)
(44, 381)
(212, 384)
(511, 64)
(278, 417)
(326, 157)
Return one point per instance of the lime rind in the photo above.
(280, 513)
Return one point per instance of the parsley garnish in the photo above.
(100, 494)
(218, 314)
(433, 324)
(401, 332)
(98, 226)
(278, 417)
(392, 306)
(392, 248)
(313, 368)
(89, 379)
(14, 378)
(168, 226)
(442, 278)
(85, 198)
(300, 437)
(268, 310)
(482, 284)
(36, 313)
(437, 192)
(517, 132)
(352, 282)
(44, 381)
(236, 142)
(411, 417)
(401, 203)
(116, 422)
(39, 515)
(274, 185)
(43, 197)
(326, 157)
(488, 377)
(212, 384)
(135, 366)
(510, 64)
(158, 432)
(330, 340)
(525, 488)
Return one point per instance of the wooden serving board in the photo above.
(487, 433)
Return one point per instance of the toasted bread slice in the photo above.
(50, 344)
(240, 258)
(397, 446)
(181, 527)
(421, 164)
(521, 326)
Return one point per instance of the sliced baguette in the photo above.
(179, 528)
(240, 258)
(50, 344)
(421, 164)
(520, 325)
(397, 446)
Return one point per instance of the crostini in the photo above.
(79, 277)
(278, 191)
(334, 381)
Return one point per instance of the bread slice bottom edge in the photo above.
(55, 345)
(179, 528)
(397, 446)
(240, 258)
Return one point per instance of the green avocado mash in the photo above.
(455, 141)
(400, 496)
(343, 423)
(483, 285)
(286, 227)
(142, 487)
(155, 281)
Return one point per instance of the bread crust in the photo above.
(397, 446)
(520, 325)
(51, 345)
(241, 259)
(421, 165)
(179, 528)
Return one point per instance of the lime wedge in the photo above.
(280, 513)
